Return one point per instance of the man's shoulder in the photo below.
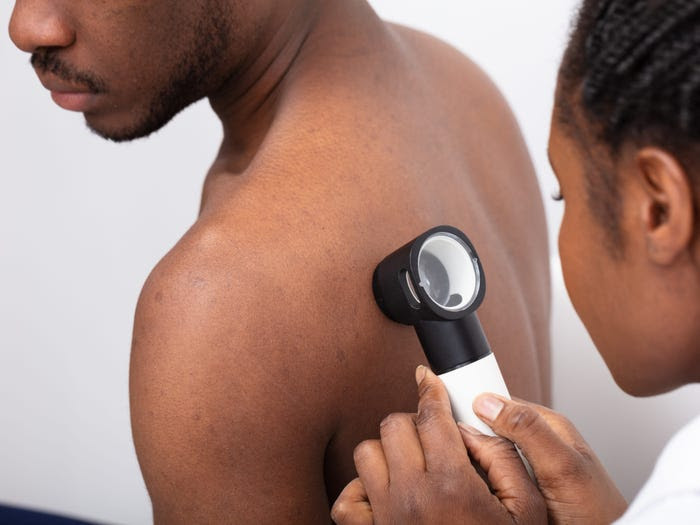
(192, 275)
(246, 292)
(214, 277)
(221, 384)
(446, 62)
(422, 42)
(225, 312)
(408, 77)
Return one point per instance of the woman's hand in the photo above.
(575, 486)
(420, 473)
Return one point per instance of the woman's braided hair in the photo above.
(632, 68)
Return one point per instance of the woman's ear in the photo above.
(667, 205)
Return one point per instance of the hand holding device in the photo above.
(418, 471)
(575, 486)
(436, 283)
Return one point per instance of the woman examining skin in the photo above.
(625, 146)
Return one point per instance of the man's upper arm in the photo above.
(224, 428)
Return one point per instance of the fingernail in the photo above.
(488, 407)
(470, 429)
(420, 374)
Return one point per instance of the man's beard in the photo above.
(190, 80)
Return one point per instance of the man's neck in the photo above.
(247, 102)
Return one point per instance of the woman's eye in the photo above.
(557, 195)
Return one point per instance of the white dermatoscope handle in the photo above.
(465, 383)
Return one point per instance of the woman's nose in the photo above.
(37, 24)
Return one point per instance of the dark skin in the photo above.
(427, 457)
(255, 365)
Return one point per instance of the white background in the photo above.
(83, 221)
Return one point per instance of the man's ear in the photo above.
(667, 206)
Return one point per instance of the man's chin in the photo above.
(124, 127)
(123, 133)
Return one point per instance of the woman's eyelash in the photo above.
(557, 195)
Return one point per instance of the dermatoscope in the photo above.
(436, 283)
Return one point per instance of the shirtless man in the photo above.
(344, 137)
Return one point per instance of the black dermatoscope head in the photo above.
(436, 283)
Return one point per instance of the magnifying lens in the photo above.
(436, 283)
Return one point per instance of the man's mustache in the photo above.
(49, 62)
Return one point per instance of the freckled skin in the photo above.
(259, 358)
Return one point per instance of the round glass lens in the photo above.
(448, 272)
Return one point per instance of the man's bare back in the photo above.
(259, 357)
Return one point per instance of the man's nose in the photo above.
(39, 24)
